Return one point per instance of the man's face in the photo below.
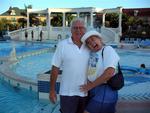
(94, 43)
(78, 30)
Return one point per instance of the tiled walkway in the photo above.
(133, 107)
(135, 96)
(136, 87)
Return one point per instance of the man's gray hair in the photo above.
(75, 20)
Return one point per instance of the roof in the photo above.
(139, 11)
(18, 12)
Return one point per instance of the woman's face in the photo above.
(94, 43)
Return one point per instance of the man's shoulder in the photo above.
(63, 42)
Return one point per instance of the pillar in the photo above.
(28, 21)
(91, 15)
(103, 19)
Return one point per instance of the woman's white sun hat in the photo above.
(90, 33)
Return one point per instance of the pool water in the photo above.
(33, 65)
(14, 100)
(134, 58)
(21, 47)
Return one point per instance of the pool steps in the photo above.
(15, 80)
(44, 86)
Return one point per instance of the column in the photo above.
(85, 20)
(48, 19)
(120, 23)
(64, 20)
(103, 20)
(28, 21)
(48, 23)
(78, 14)
(91, 25)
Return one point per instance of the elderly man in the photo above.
(72, 56)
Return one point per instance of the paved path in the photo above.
(133, 107)
(135, 96)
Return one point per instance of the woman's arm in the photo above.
(108, 73)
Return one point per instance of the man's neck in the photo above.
(77, 42)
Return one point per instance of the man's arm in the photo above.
(53, 78)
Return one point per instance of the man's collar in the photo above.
(70, 40)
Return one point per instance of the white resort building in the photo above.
(112, 35)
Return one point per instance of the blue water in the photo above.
(33, 65)
(134, 58)
(21, 47)
(15, 100)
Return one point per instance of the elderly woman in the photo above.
(102, 66)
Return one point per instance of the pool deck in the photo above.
(126, 107)
(133, 106)
(135, 97)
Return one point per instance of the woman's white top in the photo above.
(97, 64)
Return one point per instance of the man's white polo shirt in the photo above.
(74, 63)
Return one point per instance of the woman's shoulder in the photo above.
(109, 48)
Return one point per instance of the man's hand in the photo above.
(53, 96)
(86, 87)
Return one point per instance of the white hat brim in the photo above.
(89, 34)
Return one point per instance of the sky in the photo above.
(43, 4)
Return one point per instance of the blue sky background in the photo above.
(43, 4)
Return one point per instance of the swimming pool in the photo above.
(21, 47)
(15, 100)
(136, 87)
(19, 100)
(134, 58)
(31, 66)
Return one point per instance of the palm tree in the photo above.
(57, 20)
(22, 22)
(113, 20)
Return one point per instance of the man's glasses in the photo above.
(80, 28)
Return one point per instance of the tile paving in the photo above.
(135, 96)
